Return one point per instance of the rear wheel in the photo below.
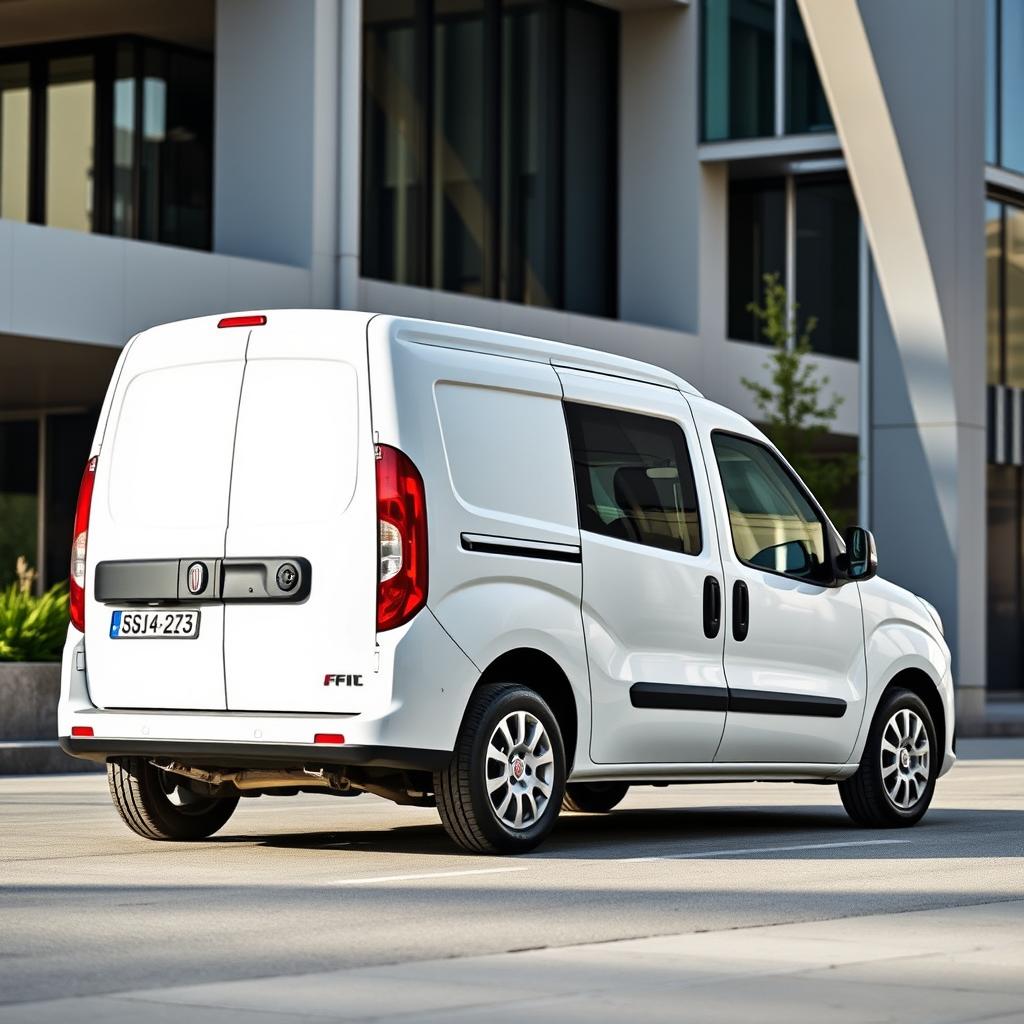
(502, 789)
(594, 797)
(894, 784)
(158, 805)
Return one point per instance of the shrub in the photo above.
(32, 628)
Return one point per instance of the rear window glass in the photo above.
(634, 480)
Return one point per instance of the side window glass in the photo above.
(634, 480)
(773, 524)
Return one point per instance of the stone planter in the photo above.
(28, 720)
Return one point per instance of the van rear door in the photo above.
(303, 493)
(160, 501)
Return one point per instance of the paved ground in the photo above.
(696, 902)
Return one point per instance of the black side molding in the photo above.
(672, 697)
(668, 696)
(763, 702)
(519, 548)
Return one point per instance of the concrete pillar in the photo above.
(349, 151)
(276, 143)
(906, 86)
(659, 175)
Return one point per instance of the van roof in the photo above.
(456, 336)
(516, 346)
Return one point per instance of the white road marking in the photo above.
(426, 875)
(766, 849)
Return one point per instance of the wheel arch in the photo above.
(919, 682)
(542, 673)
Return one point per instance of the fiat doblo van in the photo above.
(338, 552)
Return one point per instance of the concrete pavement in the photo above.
(703, 902)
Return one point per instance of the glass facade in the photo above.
(1004, 262)
(489, 149)
(825, 255)
(19, 486)
(1004, 84)
(757, 246)
(738, 72)
(1005, 577)
(738, 64)
(827, 279)
(806, 106)
(14, 140)
(108, 135)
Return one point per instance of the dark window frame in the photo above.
(103, 50)
(830, 538)
(684, 447)
(423, 22)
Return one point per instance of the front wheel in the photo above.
(894, 784)
(158, 805)
(502, 789)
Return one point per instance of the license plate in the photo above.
(154, 625)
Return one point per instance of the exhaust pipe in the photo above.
(253, 778)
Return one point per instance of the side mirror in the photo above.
(861, 556)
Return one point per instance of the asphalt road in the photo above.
(359, 909)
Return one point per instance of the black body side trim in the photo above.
(258, 755)
(679, 698)
(762, 702)
(672, 697)
(520, 548)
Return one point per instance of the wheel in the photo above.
(894, 784)
(157, 805)
(594, 797)
(502, 789)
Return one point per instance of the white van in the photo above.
(332, 551)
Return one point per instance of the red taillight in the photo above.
(401, 538)
(81, 730)
(328, 737)
(79, 539)
(243, 321)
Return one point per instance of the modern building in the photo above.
(619, 174)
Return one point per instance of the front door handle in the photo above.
(740, 610)
(712, 607)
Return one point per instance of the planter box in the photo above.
(28, 720)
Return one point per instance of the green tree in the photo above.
(794, 412)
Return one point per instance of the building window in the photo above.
(1004, 84)
(1004, 262)
(489, 149)
(747, 68)
(1005, 576)
(806, 228)
(108, 135)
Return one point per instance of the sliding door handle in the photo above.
(712, 607)
(740, 610)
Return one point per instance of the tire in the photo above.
(484, 821)
(889, 790)
(154, 806)
(594, 797)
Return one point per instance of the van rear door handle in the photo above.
(712, 607)
(740, 610)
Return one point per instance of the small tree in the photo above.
(793, 412)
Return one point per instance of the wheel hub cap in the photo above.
(519, 770)
(905, 759)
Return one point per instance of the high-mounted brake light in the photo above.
(79, 539)
(242, 321)
(402, 539)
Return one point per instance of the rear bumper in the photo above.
(219, 754)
